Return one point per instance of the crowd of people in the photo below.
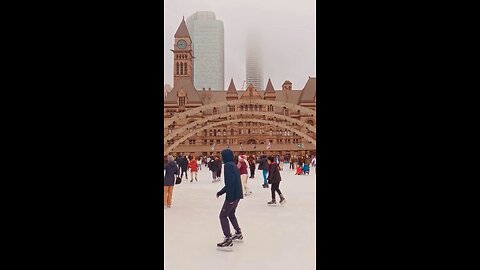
(181, 166)
(235, 178)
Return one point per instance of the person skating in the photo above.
(292, 163)
(251, 163)
(233, 190)
(169, 181)
(193, 165)
(219, 163)
(183, 164)
(274, 178)
(242, 167)
(263, 166)
(213, 166)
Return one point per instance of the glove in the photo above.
(218, 195)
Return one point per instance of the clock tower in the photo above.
(182, 55)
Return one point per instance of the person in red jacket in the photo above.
(192, 164)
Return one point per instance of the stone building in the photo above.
(253, 121)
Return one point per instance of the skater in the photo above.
(306, 168)
(274, 178)
(169, 181)
(299, 170)
(251, 162)
(219, 166)
(292, 163)
(193, 166)
(242, 167)
(263, 166)
(233, 189)
(183, 164)
(213, 166)
(281, 163)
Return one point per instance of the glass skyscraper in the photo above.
(254, 63)
(208, 49)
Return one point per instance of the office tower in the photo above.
(254, 63)
(208, 46)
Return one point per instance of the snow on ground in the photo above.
(281, 237)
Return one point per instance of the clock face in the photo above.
(182, 44)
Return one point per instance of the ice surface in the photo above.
(281, 237)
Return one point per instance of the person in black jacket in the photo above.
(263, 166)
(213, 166)
(251, 163)
(274, 178)
(219, 166)
(233, 189)
(170, 171)
(183, 164)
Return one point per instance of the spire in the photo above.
(182, 31)
(231, 87)
(269, 86)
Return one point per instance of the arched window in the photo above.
(215, 110)
(181, 68)
(270, 132)
(270, 108)
(232, 132)
(178, 69)
(224, 132)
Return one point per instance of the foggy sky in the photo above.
(287, 30)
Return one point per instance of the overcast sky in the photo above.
(287, 29)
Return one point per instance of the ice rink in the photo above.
(280, 237)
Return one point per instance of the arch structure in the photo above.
(200, 109)
(191, 125)
(184, 138)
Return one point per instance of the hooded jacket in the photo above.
(170, 172)
(262, 164)
(233, 185)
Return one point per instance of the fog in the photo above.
(287, 36)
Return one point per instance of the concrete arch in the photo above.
(184, 138)
(216, 116)
(282, 104)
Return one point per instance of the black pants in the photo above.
(252, 172)
(228, 210)
(292, 165)
(183, 171)
(219, 173)
(275, 187)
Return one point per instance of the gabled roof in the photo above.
(187, 86)
(309, 91)
(251, 92)
(182, 31)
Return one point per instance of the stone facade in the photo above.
(246, 136)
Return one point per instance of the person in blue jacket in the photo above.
(233, 189)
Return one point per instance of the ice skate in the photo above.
(237, 237)
(282, 199)
(272, 203)
(226, 245)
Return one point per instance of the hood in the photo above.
(227, 155)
